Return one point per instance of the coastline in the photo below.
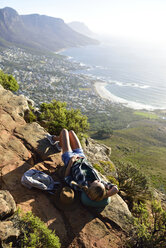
(104, 93)
(101, 90)
(59, 51)
(105, 90)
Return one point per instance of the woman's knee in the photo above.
(64, 135)
(71, 132)
(64, 131)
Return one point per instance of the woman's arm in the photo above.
(114, 190)
(72, 160)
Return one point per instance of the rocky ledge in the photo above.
(24, 146)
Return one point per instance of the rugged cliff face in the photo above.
(23, 146)
(38, 31)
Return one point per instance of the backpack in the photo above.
(38, 179)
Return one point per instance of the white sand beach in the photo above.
(104, 93)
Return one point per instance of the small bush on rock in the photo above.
(8, 82)
(108, 165)
(56, 117)
(30, 116)
(113, 180)
(150, 226)
(98, 168)
(133, 183)
(36, 234)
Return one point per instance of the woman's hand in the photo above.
(114, 190)
(71, 161)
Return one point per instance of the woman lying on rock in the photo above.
(79, 173)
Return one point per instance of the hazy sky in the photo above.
(140, 19)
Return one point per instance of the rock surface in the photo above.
(24, 146)
(7, 229)
(7, 204)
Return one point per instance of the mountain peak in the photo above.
(8, 11)
(8, 16)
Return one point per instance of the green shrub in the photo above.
(30, 116)
(113, 180)
(36, 234)
(56, 117)
(98, 168)
(103, 133)
(108, 165)
(150, 226)
(133, 183)
(8, 82)
(104, 167)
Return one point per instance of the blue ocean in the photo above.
(133, 72)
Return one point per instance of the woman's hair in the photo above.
(95, 193)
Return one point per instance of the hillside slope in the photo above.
(81, 28)
(143, 144)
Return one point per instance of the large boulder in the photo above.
(118, 212)
(14, 104)
(96, 151)
(34, 137)
(24, 146)
(99, 154)
(88, 230)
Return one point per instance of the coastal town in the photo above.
(43, 78)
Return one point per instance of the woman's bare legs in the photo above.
(64, 141)
(74, 144)
(74, 141)
(67, 140)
